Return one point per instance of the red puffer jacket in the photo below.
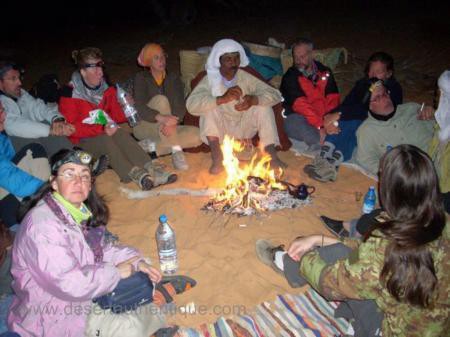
(76, 109)
(310, 98)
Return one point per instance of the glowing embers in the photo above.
(252, 188)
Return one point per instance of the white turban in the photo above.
(213, 63)
(442, 114)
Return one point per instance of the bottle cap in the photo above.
(163, 218)
(372, 188)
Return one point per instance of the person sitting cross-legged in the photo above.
(395, 279)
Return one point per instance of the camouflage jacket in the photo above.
(358, 277)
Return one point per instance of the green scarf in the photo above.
(78, 214)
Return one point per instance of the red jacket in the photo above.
(311, 100)
(75, 110)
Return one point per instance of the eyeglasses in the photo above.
(71, 176)
(99, 64)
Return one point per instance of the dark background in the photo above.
(41, 35)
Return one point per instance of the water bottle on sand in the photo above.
(369, 200)
(167, 250)
(128, 108)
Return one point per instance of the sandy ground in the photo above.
(215, 249)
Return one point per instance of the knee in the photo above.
(37, 150)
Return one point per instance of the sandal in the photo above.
(171, 285)
(159, 176)
(142, 178)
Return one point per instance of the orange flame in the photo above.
(237, 183)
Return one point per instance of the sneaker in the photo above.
(265, 252)
(179, 161)
(336, 158)
(327, 149)
(335, 226)
(159, 176)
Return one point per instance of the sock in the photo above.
(279, 259)
(176, 148)
(159, 298)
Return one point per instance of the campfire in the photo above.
(253, 188)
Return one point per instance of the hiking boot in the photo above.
(327, 149)
(159, 176)
(265, 252)
(179, 161)
(142, 178)
(335, 226)
(317, 162)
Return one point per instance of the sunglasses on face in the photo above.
(99, 64)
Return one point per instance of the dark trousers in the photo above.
(51, 144)
(365, 313)
(9, 205)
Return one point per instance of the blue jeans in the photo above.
(345, 141)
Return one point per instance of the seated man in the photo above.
(160, 102)
(352, 112)
(21, 173)
(311, 97)
(389, 126)
(232, 102)
(30, 120)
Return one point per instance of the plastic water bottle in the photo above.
(128, 108)
(369, 200)
(167, 250)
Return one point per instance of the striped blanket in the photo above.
(303, 315)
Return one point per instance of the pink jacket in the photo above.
(55, 276)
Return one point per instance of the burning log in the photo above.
(252, 188)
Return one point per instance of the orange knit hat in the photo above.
(146, 55)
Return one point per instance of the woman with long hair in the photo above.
(402, 264)
(62, 261)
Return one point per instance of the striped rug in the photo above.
(303, 315)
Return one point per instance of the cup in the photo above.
(358, 196)
(303, 191)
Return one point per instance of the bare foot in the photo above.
(216, 168)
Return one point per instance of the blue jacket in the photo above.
(13, 179)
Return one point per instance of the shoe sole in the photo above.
(261, 247)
